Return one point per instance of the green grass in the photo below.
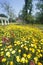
(40, 26)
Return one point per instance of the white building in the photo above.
(4, 19)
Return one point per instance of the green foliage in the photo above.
(12, 20)
(25, 14)
(30, 19)
(39, 16)
(40, 5)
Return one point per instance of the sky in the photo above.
(17, 6)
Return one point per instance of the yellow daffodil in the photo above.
(27, 44)
(40, 55)
(4, 60)
(13, 51)
(17, 58)
(1, 49)
(26, 48)
(10, 49)
(41, 40)
(2, 53)
(30, 49)
(26, 60)
(39, 63)
(8, 54)
(35, 59)
(11, 63)
(17, 42)
(33, 50)
(6, 49)
(22, 46)
(38, 50)
(29, 56)
(23, 60)
(9, 46)
(24, 55)
(0, 44)
(19, 50)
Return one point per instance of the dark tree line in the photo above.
(27, 12)
(39, 16)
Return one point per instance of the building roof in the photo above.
(3, 15)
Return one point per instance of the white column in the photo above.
(8, 21)
(5, 22)
(2, 22)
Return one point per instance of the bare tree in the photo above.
(8, 9)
